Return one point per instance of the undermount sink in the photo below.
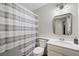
(64, 42)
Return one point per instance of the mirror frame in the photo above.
(61, 16)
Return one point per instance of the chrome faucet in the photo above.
(62, 39)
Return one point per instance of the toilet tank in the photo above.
(42, 42)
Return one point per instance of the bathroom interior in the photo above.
(39, 29)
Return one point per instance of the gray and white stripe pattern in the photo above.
(18, 28)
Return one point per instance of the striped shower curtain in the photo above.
(18, 29)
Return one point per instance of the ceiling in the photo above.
(33, 6)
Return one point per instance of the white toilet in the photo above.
(38, 51)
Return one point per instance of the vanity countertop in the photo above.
(65, 44)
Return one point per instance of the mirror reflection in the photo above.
(62, 24)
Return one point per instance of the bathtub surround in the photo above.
(18, 30)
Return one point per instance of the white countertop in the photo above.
(65, 44)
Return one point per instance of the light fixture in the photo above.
(60, 5)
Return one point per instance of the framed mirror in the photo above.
(62, 24)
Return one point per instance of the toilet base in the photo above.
(38, 51)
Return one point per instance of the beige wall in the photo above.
(46, 15)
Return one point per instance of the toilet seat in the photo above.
(38, 50)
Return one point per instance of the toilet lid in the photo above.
(38, 50)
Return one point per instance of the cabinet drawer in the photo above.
(62, 50)
(52, 53)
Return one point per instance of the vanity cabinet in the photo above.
(54, 50)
